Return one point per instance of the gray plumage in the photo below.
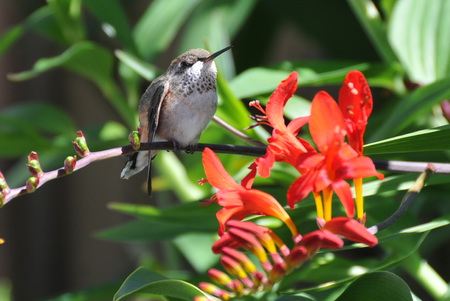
(176, 107)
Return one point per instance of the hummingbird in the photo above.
(177, 106)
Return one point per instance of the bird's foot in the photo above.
(191, 149)
(176, 146)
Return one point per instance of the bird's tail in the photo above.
(136, 162)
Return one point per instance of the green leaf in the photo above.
(159, 24)
(434, 224)
(68, 16)
(418, 32)
(372, 22)
(10, 37)
(172, 169)
(398, 246)
(18, 138)
(146, 281)
(85, 58)
(300, 297)
(256, 81)
(411, 107)
(231, 109)
(97, 293)
(91, 61)
(156, 224)
(216, 23)
(147, 71)
(5, 290)
(377, 286)
(42, 117)
(43, 21)
(112, 131)
(111, 13)
(259, 80)
(437, 139)
(196, 248)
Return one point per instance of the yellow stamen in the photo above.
(327, 197)
(319, 205)
(359, 198)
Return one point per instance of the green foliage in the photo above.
(144, 281)
(389, 286)
(411, 39)
(418, 33)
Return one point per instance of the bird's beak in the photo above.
(215, 54)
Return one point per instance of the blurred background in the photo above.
(52, 246)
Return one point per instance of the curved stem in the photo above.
(409, 197)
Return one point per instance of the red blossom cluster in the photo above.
(337, 130)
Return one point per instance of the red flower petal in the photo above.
(352, 230)
(344, 194)
(326, 123)
(355, 97)
(247, 182)
(215, 172)
(321, 239)
(355, 101)
(295, 125)
(278, 99)
(300, 188)
(240, 203)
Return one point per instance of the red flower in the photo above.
(355, 101)
(351, 229)
(337, 161)
(283, 146)
(319, 239)
(240, 201)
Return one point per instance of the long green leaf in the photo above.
(231, 108)
(147, 71)
(418, 32)
(91, 61)
(370, 18)
(9, 37)
(145, 281)
(171, 167)
(411, 107)
(159, 25)
(85, 58)
(260, 80)
(68, 16)
(437, 139)
(43, 21)
(156, 224)
(216, 22)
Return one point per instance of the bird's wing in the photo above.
(149, 111)
(150, 107)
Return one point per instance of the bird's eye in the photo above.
(185, 64)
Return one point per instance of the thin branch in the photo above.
(411, 167)
(236, 132)
(127, 149)
(409, 197)
(396, 166)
